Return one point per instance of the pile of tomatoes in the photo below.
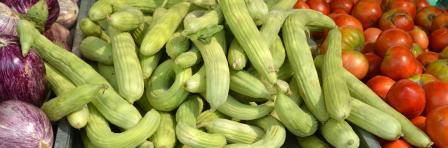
(400, 49)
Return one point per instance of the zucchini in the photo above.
(374, 121)
(236, 56)
(149, 64)
(108, 72)
(246, 84)
(100, 10)
(101, 135)
(79, 72)
(176, 45)
(96, 49)
(196, 83)
(312, 142)
(336, 94)
(235, 132)
(72, 100)
(127, 19)
(128, 71)
(258, 10)
(186, 130)
(305, 73)
(60, 84)
(239, 111)
(165, 137)
(90, 28)
(216, 70)
(246, 33)
(162, 29)
(339, 134)
(293, 117)
(160, 94)
(189, 58)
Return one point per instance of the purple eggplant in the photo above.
(8, 20)
(42, 12)
(24, 125)
(21, 78)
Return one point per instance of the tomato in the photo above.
(371, 34)
(441, 21)
(374, 64)
(355, 62)
(428, 57)
(396, 18)
(391, 38)
(444, 53)
(423, 79)
(439, 39)
(343, 20)
(422, 4)
(425, 17)
(399, 63)
(407, 97)
(319, 5)
(399, 143)
(419, 68)
(407, 6)
(420, 37)
(345, 5)
(301, 5)
(436, 95)
(380, 85)
(352, 38)
(416, 50)
(437, 126)
(420, 122)
(368, 12)
(439, 69)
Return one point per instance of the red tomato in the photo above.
(396, 18)
(440, 21)
(319, 5)
(368, 12)
(436, 95)
(420, 122)
(423, 79)
(399, 63)
(391, 38)
(428, 57)
(421, 4)
(407, 97)
(420, 37)
(419, 68)
(355, 62)
(345, 5)
(371, 34)
(369, 47)
(397, 144)
(380, 85)
(407, 6)
(374, 64)
(425, 17)
(343, 20)
(439, 39)
(437, 126)
(301, 5)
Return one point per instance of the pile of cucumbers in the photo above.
(208, 73)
